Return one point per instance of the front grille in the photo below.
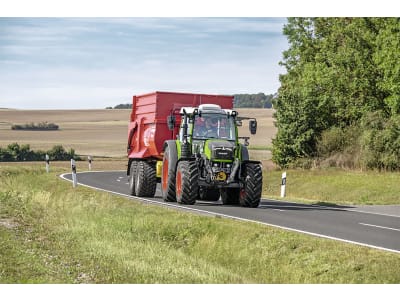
(223, 153)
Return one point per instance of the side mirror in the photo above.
(253, 126)
(171, 122)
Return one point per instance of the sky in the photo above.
(86, 63)
(99, 53)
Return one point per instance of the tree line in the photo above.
(15, 152)
(259, 100)
(339, 101)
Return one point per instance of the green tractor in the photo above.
(207, 161)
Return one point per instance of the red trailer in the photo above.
(148, 128)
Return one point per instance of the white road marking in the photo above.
(359, 210)
(383, 227)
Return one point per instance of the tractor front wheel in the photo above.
(187, 182)
(250, 194)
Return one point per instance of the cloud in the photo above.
(99, 62)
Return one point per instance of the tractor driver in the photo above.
(208, 128)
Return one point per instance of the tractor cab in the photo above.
(209, 121)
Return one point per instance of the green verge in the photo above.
(335, 186)
(52, 233)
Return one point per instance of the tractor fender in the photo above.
(244, 152)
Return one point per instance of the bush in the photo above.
(381, 142)
(340, 147)
(39, 126)
(374, 144)
(15, 152)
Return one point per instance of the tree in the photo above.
(387, 57)
(338, 71)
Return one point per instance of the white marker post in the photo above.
(283, 185)
(47, 163)
(73, 168)
(90, 162)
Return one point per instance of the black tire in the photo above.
(250, 194)
(132, 177)
(230, 196)
(209, 194)
(146, 181)
(168, 174)
(187, 182)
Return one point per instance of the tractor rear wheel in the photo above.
(187, 182)
(230, 196)
(146, 180)
(250, 194)
(168, 174)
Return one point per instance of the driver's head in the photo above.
(210, 122)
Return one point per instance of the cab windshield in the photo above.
(218, 126)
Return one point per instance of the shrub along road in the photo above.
(363, 226)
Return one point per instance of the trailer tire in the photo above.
(230, 196)
(211, 194)
(132, 177)
(146, 181)
(187, 182)
(250, 194)
(168, 174)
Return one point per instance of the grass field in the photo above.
(52, 233)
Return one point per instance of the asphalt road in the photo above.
(376, 227)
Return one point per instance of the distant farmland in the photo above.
(103, 132)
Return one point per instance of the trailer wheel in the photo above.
(132, 177)
(230, 196)
(250, 194)
(146, 181)
(208, 194)
(168, 174)
(187, 183)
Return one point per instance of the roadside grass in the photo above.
(335, 186)
(50, 232)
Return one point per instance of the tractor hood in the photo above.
(221, 150)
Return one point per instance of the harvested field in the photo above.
(89, 132)
(103, 132)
